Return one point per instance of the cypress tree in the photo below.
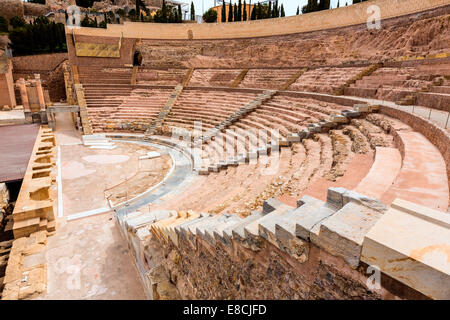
(192, 11)
(180, 14)
(337, 4)
(282, 11)
(239, 15)
(269, 10)
(95, 22)
(253, 15)
(259, 12)
(230, 12)
(244, 17)
(224, 12)
(275, 11)
(137, 9)
(235, 9)
(298, 10)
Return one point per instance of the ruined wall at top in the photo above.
(49, 66)
(225, 47)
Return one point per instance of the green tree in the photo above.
(230, 12)
(244, 15)
(282, 11)
(269, 10)
(311, 6)
(192, 11)
(253, 15)
(239, 14)
(86, 22)
(3, 24)
(17, 22)
(298, 10)
(180, 14)
(235, 12)
(210, 16)
(224, 13)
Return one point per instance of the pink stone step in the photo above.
(382, 174)
(423, 176)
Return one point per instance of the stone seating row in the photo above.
(422, 85)
(280, 141)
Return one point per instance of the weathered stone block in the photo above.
(343, 233)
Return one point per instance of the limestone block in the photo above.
(410, 243)
(293, 137)
(343, 233)
(265, 227)
(361, 108)
(338, 118)
(350, 113)
(338, 197)
(219, 233)
(237, 232)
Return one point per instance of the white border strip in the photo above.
(127, 202)
(85, 214)
(59, 179)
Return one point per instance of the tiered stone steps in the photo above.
(423, 85)
(130, 110)
(267, 78)
(214, 77)
(252, 136)
(324, 80)
(166, 77)
(286, 227)
(210, 107)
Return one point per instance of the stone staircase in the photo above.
(214, 77)
(423, 85)
(325, 80)
(158, 122)
(268, 78)
(98, 141)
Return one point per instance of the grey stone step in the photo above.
(148, 218)
(342, 234)
(237, 232)
(219, 232)
(188, 227)
(206, 228)
(265, 227)
(210, 230)
(306, 215)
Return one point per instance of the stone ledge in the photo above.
(411, 244)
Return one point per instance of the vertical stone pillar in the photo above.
(24, 97)
(40, 91)
(87, 128)
(40, 94)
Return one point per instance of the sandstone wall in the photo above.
(403, 36)
(329, 19)
(35, 9)
(49, 66)
(11, 8)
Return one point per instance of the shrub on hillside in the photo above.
(40, 36)
(210, 16)
(3, 24)
(17, 22)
